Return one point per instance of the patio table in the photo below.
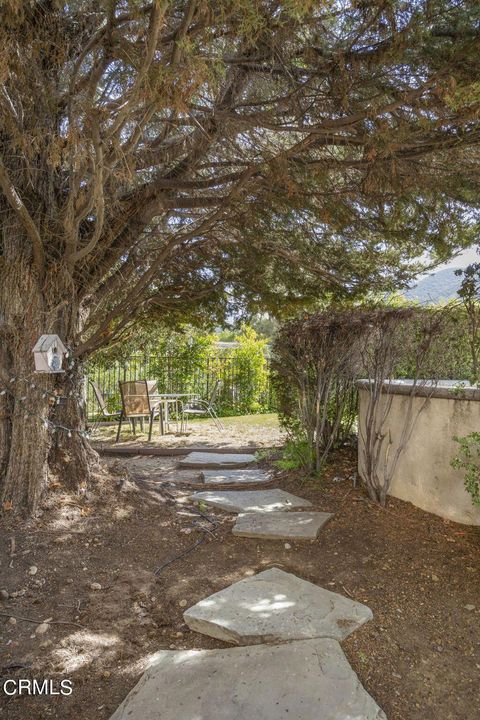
(167, 399)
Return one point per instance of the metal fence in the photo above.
(239, 388)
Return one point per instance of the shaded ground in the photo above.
(419, 657)
(254, 430)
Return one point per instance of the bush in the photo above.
(451, 356)
(468, 460)
(297, 454)
(317, 362)
(251, 371)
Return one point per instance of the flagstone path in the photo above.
(281, 525)
(235, 477)
(306, 677)
(274, 606)
(216, 460)
(249, 501)
(306, 680)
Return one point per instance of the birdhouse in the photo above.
(49, 353)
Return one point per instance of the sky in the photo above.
(462, 260)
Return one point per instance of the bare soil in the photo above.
(419, 657)
(261, 430)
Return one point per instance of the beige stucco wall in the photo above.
(423, 475)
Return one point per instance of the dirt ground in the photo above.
(419, 657)
(260, 430)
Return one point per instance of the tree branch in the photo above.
(16, 203)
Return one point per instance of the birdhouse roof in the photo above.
(45, 342)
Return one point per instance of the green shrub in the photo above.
(468, 460)
(451, 356)
(315, 363)
(251, 371)
(297, 454)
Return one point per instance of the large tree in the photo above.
(152, 153)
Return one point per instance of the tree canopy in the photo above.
(157, 152)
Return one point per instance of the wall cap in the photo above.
(444, 389)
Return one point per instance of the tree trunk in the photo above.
(6, 404)
(32, 445)
(71, 456)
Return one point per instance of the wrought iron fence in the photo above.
(239, 387)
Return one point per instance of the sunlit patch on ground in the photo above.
(83, 648)
(245, 430)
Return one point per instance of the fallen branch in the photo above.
(42, 622)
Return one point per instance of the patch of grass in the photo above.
(269, 420)
(362, 658)
(266, 454)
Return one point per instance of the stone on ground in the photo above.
(281, 525)
(274, 606)
(235, 477)
(157, 469)
(250, 501)
(216, 460)
(306, 680)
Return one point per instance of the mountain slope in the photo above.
(441, 285)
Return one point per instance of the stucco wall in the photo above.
(423, 475)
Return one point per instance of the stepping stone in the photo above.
(281, 525)
(216, 460)
(306, 680)
(250, 501)
(235, 477)
(274, 606)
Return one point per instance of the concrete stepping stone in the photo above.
(250, 501)
(216, 460)
(281, 525)
(235, 477)
(274, 606)
(306, 680)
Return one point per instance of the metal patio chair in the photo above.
(198, 406)
(102, 404)
(137, 404)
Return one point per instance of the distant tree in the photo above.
(265, 325)
(469, 294)
(156, 157)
